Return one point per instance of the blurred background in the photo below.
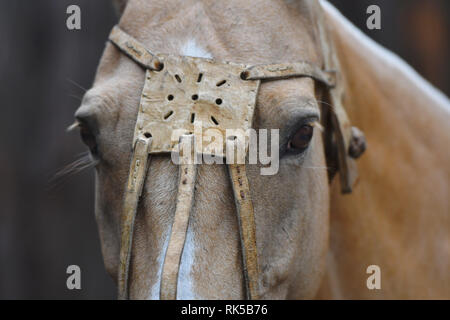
(47, 226)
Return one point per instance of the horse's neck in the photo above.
(398, 215)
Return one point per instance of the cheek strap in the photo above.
(185, 200)
(136, 179)
(247, 229)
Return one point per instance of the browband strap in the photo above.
(290, 70)
(134, 49)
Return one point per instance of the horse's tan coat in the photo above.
(398, 217)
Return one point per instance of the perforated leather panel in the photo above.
(194, 90)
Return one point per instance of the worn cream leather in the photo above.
(136, 179)
(190, 91)
(290, 70)
(185, 197)
(341, 126)
(134, 49)
(247, 229)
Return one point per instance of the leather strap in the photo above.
(340, 122)
(247, 229)
(289, 70)
(185, 197)
(134, 49)
(136, 178)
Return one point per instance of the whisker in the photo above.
(78, 165)
(76, 97)
(326, 103)
(76, 84)
(318, 167)
(73, 126)
(82, 163)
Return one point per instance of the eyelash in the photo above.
(296, 152)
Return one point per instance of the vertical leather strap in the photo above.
(340, 121)
(136, 179)
(247, 229)
(186, 186)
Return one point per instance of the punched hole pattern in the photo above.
(168, 114)
(214, 120)
(159, 66)
(195, 97)
(244, 75)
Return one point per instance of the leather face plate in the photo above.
(195, 91)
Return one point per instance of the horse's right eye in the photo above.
(89, 139)
(301, 139)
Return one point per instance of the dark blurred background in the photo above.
(45, 227)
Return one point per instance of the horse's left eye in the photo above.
(89, 139)
(301, 139)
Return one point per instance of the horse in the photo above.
(312, 240)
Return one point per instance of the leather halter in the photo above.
(167, 105)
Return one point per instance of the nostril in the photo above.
(88, 138)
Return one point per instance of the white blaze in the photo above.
(154, 291)
(185, 287)
(192, 49)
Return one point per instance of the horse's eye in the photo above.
(301, 139)
(89, 139)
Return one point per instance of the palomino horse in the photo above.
(312, 241)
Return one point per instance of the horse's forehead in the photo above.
(238, 31)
